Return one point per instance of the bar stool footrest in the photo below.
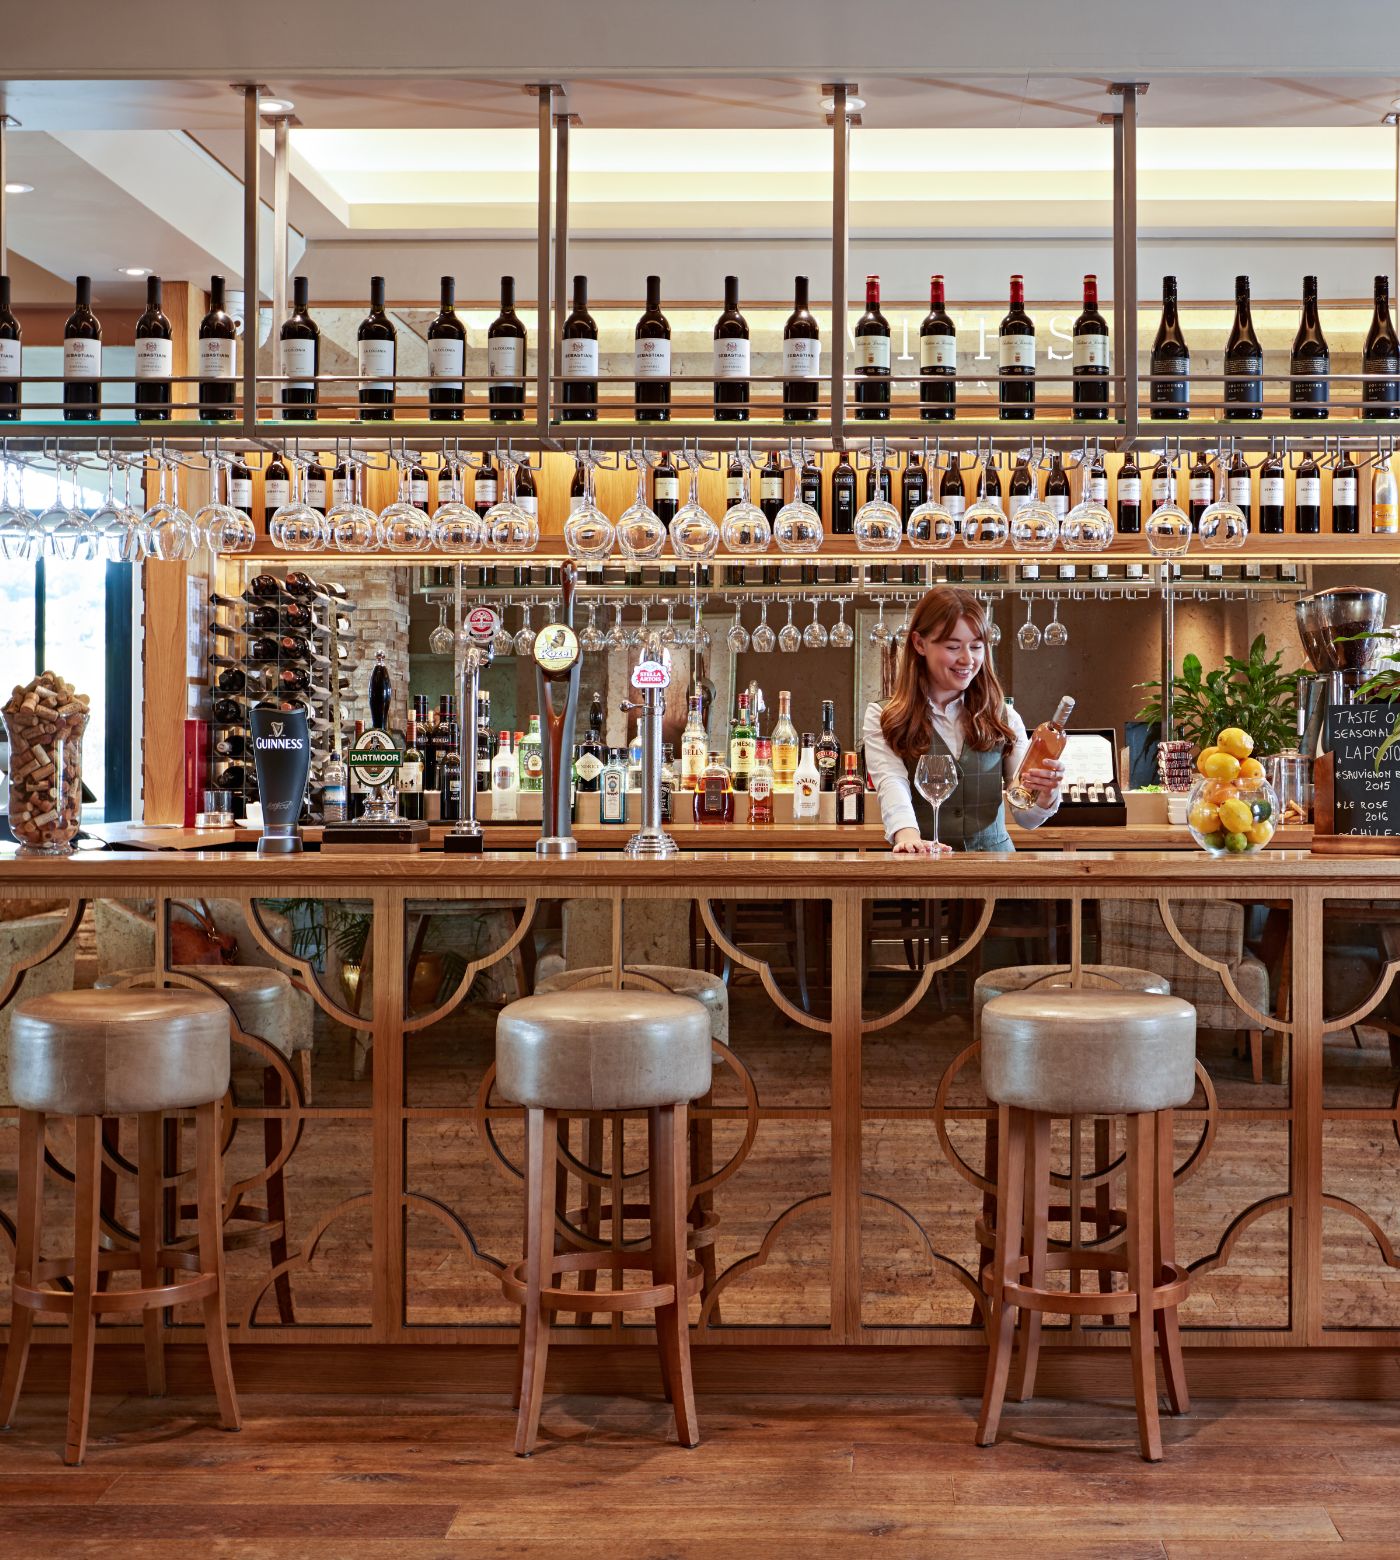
(1173, 1287)
(552, 1298)
(31, 1291)
(701, 1233)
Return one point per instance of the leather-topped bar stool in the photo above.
(713, 994)
(1054, 977)
(1086, 1053)
(261, 1002)
(88, 1055)
(604, 1051)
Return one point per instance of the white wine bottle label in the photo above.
(1308, 493)
(579, 358)
(734, 489)
(1130, 490)
(938, 352)
(872, 352)
(1091, 351)
(377, 357)
(1271, 492)
(1162, 490)
(418, 490)
(802, 358)
(316, 492)
(276, 492)
(485, 491)
(505, 357)
(651, 358)
(667, 488)
(1237, 490)
(956, 504)
(770, 488)
(1202, 489)
(240, 492)
(527, 503)
(82, 359)
(1017, 351)
(1344, 492)
(1058, 504)
(446, 357)
(731, 360)
(155, 357)
(218, 358)
(1096, 490)
(342, 491)
(1385, 519)
(9, 359)
(299, 364)
(410, 777)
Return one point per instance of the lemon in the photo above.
(1235, 741)
(1236, 816)
(1202, 756)
(1251, 774)
(1261, 833)
(1221, 766)
(1237, 844)
(1204, 818)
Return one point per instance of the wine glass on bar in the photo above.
(936, 777)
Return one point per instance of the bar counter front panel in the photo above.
(843, 1145)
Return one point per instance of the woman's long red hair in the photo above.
(906, 720)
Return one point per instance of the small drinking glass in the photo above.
(1028, 635)
(936, 778)
(738, 636)
(842, 635)
(1056, 634)
(815, 636)
(789, 635)
(764, 639)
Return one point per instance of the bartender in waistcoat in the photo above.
(947, 700)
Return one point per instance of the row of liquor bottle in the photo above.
(298, 392)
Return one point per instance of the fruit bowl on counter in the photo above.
(1232, 809)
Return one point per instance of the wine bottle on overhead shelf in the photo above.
(843, 496)
(418, 487)
(1023, 487)
(1244, 360)
(578, 393)
(1129, 497)
(277, 486)
(1016, 353)
(301, 356)
(651, 359)
(447, 357)
(218, 357)
(377, 344)
(913, 490)
(872, 357)
(526, 492)
(1163, 482)
(1200, 487)
(82, 358)
(1307, 497)
(154, 358)
(809, 487)
(505, 359)
(11, 360)
(1171, 361)
(1346, 509)
(1057, 487)
(486, 486)
(1238, 487)
(952, 493)
(1091, 358)
(1096, 480)
(802, 358)
(665, 489)
(731, 358)
(1271, 500)
(770, 487)
(1308, 397)
(938, 359)
(1381, 355)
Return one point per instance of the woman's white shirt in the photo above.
(890, 776)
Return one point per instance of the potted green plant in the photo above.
(1255, 694)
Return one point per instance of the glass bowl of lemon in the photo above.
(1232, 809)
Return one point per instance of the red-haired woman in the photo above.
(947, 700)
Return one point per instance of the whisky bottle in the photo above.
(694, 745)
(1047, 741)
(741, 746)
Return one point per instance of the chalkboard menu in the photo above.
(1365, 797)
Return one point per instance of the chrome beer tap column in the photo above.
(557, 668)
(651, 677)
(477, 653)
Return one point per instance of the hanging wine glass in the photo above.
(900, 637)
(993, 629)
(738, 636)
(509, 528)
(640, 532)
(456, 525)
(1028, 635)
(694, 534)
(878, 528)
(352, 525)
(931, 528)
(815, 636)
(1168, 532)
(797, 528)
(842, 635)
(670, 635)
(442, 641)
(879, 629)
(169, 529)
(16, 522)
(789, 635)
(110, 523)
(617, 635)
(637, 633)
(1088, 527)
(226, 530)
(764, 639)
(588, 533)
(525, 634)
(296, 527)
(591, 638)
(985, 527)
(1056, 634)
(1223, 526)
(745, 530)
(72, 538)
(1035, 528)
(503, 641)
(403, 527)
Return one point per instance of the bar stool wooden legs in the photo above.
(1086, 1053)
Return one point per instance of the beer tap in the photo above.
(477, 654)
(557, 668)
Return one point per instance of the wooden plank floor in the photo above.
(419, 1478)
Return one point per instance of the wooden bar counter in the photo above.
(843, 1143)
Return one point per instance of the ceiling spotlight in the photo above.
(275, 105)
(853, 104)
(19, 189)
(134, 270)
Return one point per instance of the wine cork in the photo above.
(46, 719)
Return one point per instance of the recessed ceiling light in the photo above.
(134, 270)
(853, 104)
(275, 105)
(19, 189)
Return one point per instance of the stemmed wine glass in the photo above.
(738, 636)
(525, 634)
(1028, 635)
(616, 636)
(814, 636)
(842, 635)
(442, 641)
(16, 522)
(1056, 634)
(591, 639)
(503, 641)
(936, 778)
(638, 632)
(789, 635)
(670, 635)
(764, 639)
(879, 629)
